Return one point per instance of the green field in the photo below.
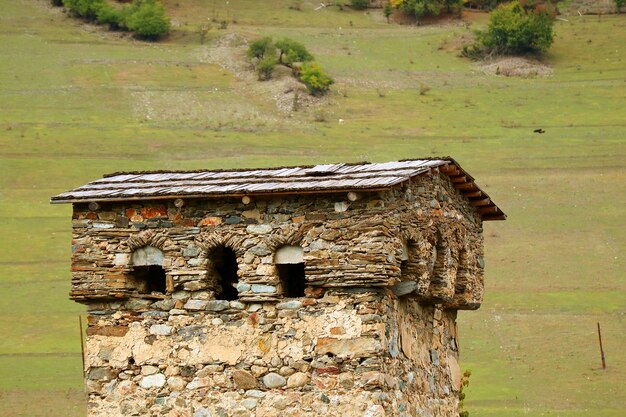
(77, 102)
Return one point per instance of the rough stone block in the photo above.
(274, 380)
(152, 381)
(244, 379)
(196, 305)
(217, 305)
(263, 289)
(161, 329)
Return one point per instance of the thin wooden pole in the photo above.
(601, 349)
(82, 345)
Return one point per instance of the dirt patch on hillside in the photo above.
(455, 42)
(591, 7)
(290, 95)
(515, 67)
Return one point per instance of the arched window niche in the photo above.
(289, 262)
(443, 270)
(223, 272)
(147, 273)
(404, 261)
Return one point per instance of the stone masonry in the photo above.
(372, 333)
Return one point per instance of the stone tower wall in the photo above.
(374, 334)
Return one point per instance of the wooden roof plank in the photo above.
(282, 180)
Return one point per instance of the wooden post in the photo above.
(601, 349)
(82, 345)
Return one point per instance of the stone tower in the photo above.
(328, 290)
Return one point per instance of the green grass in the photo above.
(77, 102)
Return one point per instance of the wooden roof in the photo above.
(128, 186)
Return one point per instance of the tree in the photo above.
(260, 48)
(423, 8)
(265, 67)
(87, 9)
(314, 78)
(618, 5)
(292, 51)
(359, 4)
(514, 29)
(387, 11)
(109, 15)
(147, 19)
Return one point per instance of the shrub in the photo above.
(109, 15)
(292, 51)
(147, 19)
(315, 80)
(513, 29)
(265, 67)
(422, 8)
(618, 5)
(359, 4)
(484, 4)
(57, 3)
(387, 11)
(261, 48)
(85, 8)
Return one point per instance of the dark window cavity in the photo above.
(147, 274)
(224, 261)
(290, 268)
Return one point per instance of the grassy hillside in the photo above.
(77, 102)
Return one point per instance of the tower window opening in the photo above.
(225, 267)
(290, 268)
(148, 274)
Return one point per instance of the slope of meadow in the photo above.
(77, 102)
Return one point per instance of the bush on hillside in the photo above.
(144, 17)
(291, 51)
(261, 48)
(423, 8)
(618, 5)
(359, 4)
(387, 11)
(109, 15)
(514, 29)
(266, 55)
(57, 3)
(315, 79)
(147, 19)
(265, 67)
(483, 4)
(87, 9)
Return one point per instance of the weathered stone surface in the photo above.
(176, 383)
(152, 381)
(149, 370)
(191, 252)
(115, 331)
(202, 412)
(404, 288)
(243, 379)
(100, 374)
(297, 380)
(147, 255)
(357, 347)
(259, 228)
(161, 329)
(289, 254)
(289, 305)
(263, 289)
(196, 304)
(250, 403)
(217, 305)
(273, 380)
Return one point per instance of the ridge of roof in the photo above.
(321, 178)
